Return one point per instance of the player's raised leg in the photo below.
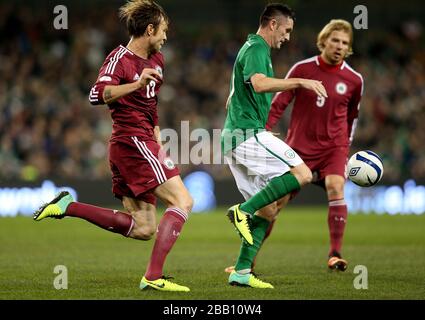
(277, 188)
(270, 159)
(337, 219)
(144, 216)
(265, 170)
(179, 204)
(63, 205)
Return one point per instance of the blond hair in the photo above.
(335, 25)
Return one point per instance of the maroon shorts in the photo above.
(138, 166)
(333, 161)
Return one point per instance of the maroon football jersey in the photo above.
(136, 113)
(318, 124)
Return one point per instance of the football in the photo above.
(365, 168)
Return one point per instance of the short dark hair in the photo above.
(272, 10)
(138, 14)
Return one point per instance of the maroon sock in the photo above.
(168, 231)
(268, 231)
(111, 220)
(337, 218)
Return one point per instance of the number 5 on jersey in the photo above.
(150, 89)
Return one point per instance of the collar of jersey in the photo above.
(256, 36)
(329, 67)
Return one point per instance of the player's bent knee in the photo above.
(303, 174)
(308, 178)
(184, 202)
(143, 232)
(188, 204)
(144, 229)
(336, 192)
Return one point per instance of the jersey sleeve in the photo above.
(254, 61)
(353, 110)
(280, 102)
(111, 73)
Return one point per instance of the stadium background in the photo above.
(48, 130)
(50, 136)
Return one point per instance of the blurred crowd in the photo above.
(49, 129)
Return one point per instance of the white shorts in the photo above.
(258, 160)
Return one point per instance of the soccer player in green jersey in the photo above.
(264, 167)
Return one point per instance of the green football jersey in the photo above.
(247, 111)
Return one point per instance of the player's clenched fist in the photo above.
(147, 75)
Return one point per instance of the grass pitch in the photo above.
(103, 265)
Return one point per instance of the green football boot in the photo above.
(241, 222)
(55, 208)
(248, 280)
(162, 284)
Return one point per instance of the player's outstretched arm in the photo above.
(262, 84)
(112, 93)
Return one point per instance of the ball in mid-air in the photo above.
(365, 168)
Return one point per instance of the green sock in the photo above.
(276, 189)
(248, 252)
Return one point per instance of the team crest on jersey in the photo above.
(290, 154)
(159, 69)
(136, 77)
(341, 88)
(169, 163)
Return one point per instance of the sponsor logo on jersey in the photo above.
(105, 78)
(341, 88)
(136, 77)
(169, 163)
(290, 154)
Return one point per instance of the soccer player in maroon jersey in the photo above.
(129, 82)
(321, 129)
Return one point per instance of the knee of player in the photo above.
(335, 192)
(184, 202)
(144, 232)
(308, 177)
(304, 175)
(187, 204)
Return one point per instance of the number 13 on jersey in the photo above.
(150, 89)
